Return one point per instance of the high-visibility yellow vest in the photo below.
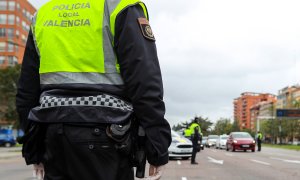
(192, 128)
(259, 136)
(187, 133)
(74, 39)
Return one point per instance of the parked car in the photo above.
(7, 140)
(211, 140)
(240, 141)
(180, 147)
(221, 141)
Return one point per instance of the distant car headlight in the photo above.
(253, 142)
(234, 141)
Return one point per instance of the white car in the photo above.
(180, 147)
(221, 141)
(211, 140)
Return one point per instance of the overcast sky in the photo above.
(211, 51)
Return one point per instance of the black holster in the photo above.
(33, 143)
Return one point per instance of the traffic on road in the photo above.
(269, 164)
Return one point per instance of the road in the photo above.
(270, 164)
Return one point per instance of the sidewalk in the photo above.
(8, 153)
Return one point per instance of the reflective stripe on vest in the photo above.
(74, 39)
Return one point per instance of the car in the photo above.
(211, 140)
(180, 147)
(7, 140)
(221, 141)
(240, 141)
(204, 139)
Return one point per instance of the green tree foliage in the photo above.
(8, 88)
(223, 126)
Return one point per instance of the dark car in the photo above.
(7, 140)
(240, 141)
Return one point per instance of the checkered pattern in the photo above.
(101, 100)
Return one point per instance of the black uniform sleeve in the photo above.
(141, 73)
(28, 92)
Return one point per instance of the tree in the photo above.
(235, 126)
(223, 126)
(8, 89)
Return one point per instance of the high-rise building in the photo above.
(15, 21)
(288, 97)
(244, 103)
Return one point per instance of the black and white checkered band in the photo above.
(100, 100)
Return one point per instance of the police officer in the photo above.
(89, 65)
(195, 139)
(193, 126)
(259, 139)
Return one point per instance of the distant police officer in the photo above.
(259, 139)
(89, 69)
(195, 140)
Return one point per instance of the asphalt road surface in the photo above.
(269, 164)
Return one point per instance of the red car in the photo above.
(240, 141)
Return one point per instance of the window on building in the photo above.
(10, 47)
(24, 12)
(3, 18)
(18, 7)
(10, 32)
(2, 59)
(17, 48)
(3, 5)
(18, 20)
(17, 34)
(11, 5)
(12, 60)
(2, 46)
(2, 32)
(24, 25)
(11, 19)
(24, 38)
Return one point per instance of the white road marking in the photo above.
(227, 154)
(178, 162)
(215, 161)
(286, 160)
(183, 178)
(261, 162)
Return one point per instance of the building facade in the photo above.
(243, 105)
(288, 97)
(15, 20)
(264, 110)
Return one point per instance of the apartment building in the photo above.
(288, 97)
(264, 110)
(15, 20)
(243, 105)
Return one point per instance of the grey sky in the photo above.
(213, 50)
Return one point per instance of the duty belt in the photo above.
(103, 100)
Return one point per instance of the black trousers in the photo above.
(194, 152)
(83, 153)
(259, 145)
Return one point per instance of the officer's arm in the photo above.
(28, 92)
(141, 73)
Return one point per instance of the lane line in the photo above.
(215, 161)
(260, 162)
(286, 160)
(178, 162)
(183, 178)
